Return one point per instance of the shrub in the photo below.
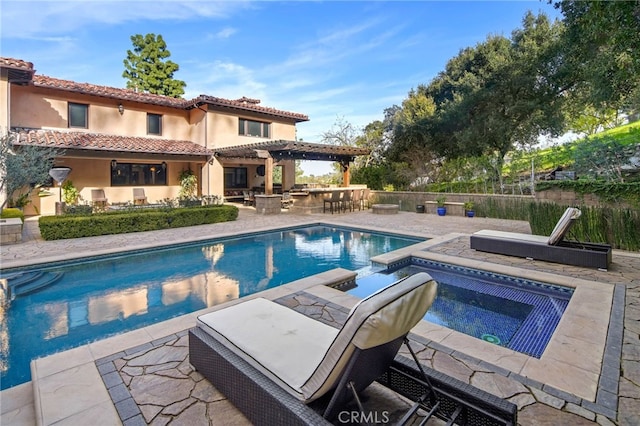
(618, 227)
(11, 213)
(75, 226)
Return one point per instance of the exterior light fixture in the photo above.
(121, 108)
(114, 164)
(164, 166)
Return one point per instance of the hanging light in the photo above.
(121, 108)
(164, 166)
(114, 164)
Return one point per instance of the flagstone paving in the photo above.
(153, 383)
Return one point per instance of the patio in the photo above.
(144, 376)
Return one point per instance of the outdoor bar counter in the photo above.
(311, 200)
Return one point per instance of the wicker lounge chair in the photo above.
(304, 360)
(551, 249)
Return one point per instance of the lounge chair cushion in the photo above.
(558, 233)
(380, 318)
(535, 239)
(307, 357)
(289, 345)
(563, 225)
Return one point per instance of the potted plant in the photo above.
(468, 209)
(441, 209)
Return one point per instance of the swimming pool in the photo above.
(65, 305)
(508, 311)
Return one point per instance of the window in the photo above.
(125, 174)
(154, 124)
(235, 177)
(78, 115)
(253, 128)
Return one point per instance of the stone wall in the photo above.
(408, 200)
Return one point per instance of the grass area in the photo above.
(562, 155)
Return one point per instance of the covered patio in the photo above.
(115, 164)
(257, 161)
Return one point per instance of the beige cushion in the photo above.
(563, 225)
(306, 357)
(536, 239)
(380, 318)
(282, 343)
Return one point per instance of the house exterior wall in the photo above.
(35, 107)
(4, 101)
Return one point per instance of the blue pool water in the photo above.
(512, 312)
(100, 297)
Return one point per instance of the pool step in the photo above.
(29, 282)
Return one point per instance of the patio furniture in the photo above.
(365, 198)
(385, 208)
(356, 199)
(347, 200)
(551, 249)
(249, 198)
(334, 200)
(98, 199)
(138, 196)
(272, 362)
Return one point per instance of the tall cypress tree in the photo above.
(148, 70)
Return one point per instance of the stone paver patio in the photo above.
(144, 377)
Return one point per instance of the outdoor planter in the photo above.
(442, 211)
(471, 213)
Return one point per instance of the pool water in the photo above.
(85, 301)
(507, 311)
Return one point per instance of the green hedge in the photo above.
(75, 226)
(11, 213)
(618, 227)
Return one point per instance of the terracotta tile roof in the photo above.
(15, 63)
(18, 71)
(107, 143)
(106, 91)
(248, 104)
(243, 104)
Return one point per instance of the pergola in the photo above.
(293, 150)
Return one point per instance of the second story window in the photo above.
(253, 128)
(78, 115)
(154, 124)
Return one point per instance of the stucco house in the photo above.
(117, 139)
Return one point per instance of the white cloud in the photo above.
(225, 33)
(70, 16)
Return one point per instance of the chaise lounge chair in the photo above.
(551, 249)
(302, 359)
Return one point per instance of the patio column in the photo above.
(268, 170)
(268, 176)
(346, 178)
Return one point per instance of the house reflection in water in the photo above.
(210, 288)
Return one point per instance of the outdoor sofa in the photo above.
(553, 248)
(278, 366)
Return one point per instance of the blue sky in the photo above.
(324, 59)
